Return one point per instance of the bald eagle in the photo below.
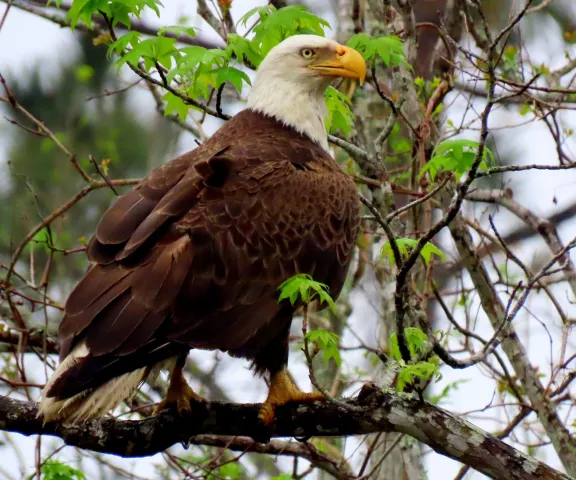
(192, 258)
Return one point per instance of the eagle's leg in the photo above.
(179, 393)
(282, 390)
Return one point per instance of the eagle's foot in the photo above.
(179, 395)
(282, 390)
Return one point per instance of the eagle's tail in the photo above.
(64, 398)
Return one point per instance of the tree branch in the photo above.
(446, 433)
(546, 229)
(335, 467)
(58, 16)
(27, 340)
(527, 375)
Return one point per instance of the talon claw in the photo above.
(282, 390)
(179, 395)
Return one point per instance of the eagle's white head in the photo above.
(291, 81)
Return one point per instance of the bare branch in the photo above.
(546, 229)
(528, 376)
(26, 340)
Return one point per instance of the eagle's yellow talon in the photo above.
(266, 414)
(282, 390)
(179, 395)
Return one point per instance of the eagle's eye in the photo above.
(307, 53)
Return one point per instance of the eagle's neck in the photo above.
(293, 104)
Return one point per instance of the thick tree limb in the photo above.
(446, 433)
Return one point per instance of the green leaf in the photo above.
(303, 287)
(232, 75)
(456, 156)
(389, 48)
(204, 79)
(120, 14)
(80, 10)
(420, 83)
(177, 30)
(277, 25)
(418, 344)
(262, 12)
(192, 56)
(118, 47)
(327, 342)
(195, 55)
(162, 46)
(405, 246)
(152, 50)
(243, 49)
(55, 470)
(526, 109)
(84, 73)
(416, 372)
(340, 116)
(231, 470)
(175, 104)
(40, 241)
(430, 249)
(117, 10)
(416, 340)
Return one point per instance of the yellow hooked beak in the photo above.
(346, 62)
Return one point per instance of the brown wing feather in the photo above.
(114, 324)
(96, 282)
(85, 305)
(142, 333)
(125, 215)
(196, 252)
(122, 219)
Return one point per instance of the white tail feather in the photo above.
(96, 402)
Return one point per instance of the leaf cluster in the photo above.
(198, 71)
(117, 10)
(340, 116)
(414, 371)
(55, 470)
(302, 287)
(276, 25)
(456, 156)
(388, 48)
(327, 342)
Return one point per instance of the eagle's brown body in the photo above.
(194, 255)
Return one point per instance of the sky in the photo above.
(26, 40)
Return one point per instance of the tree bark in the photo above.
(372, 411)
